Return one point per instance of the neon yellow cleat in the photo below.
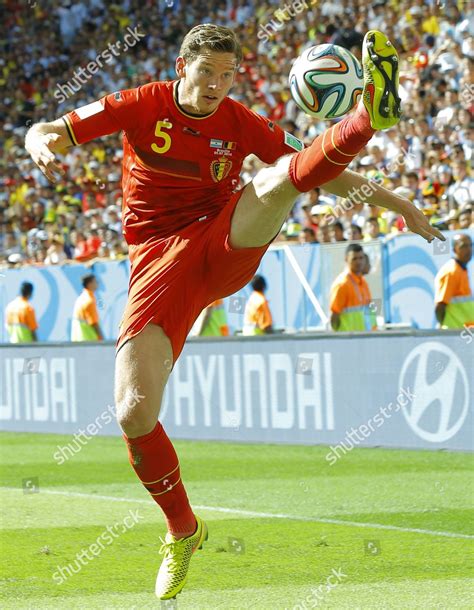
(380, 96)
(177, 555)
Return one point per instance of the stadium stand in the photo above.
(47, 47)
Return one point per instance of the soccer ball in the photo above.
(326, 81)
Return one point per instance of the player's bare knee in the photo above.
(135, 420)
(272, 184)
(142, 369)
(137, 401)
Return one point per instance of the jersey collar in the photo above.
(462, 265)
(196, 117)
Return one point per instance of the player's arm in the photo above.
(337, 302)
(91, 316)
(124, 110)
(375, 194)
(444, 287)
(335, 320)
(440, 312)
(266, 319)
(32, 323)
(42, 141)
(98, 330)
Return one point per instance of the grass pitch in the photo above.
(379, 529)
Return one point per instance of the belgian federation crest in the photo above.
(220, 169)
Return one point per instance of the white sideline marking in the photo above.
(251, 513)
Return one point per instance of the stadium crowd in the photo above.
(45, 70)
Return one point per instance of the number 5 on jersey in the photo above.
(165, 137)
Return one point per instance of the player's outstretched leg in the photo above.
(142, 369)
(266, 201)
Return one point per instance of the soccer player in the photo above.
(193, 237)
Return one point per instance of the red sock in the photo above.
(331, 152)
(154, 459)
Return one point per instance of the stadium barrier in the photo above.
(408, 389)
(401, 283)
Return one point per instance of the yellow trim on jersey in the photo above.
(70, 130)
(158, 480)
(190, 116)
(160, 171)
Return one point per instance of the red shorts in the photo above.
(172, 279)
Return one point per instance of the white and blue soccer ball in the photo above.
(326, 81)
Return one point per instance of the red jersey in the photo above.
(177, 167)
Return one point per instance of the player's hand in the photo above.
(417, 222)
(40, 146)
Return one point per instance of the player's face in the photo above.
(206, 81)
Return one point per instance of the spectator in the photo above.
(307, 236)
(410, 180)
(213, 321)
(372, 229)
(55, 254)
(103, 252)
(337, 231)
(11, 244)
(257, 315)
(435, 132)
(461, 192)
(454, 301)
(323, 234)
(355, 233)
(350, 295)
(465, 218)
(20, 317)
(93, 242)
(85, 319)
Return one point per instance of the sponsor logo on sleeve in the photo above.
(293, 142)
